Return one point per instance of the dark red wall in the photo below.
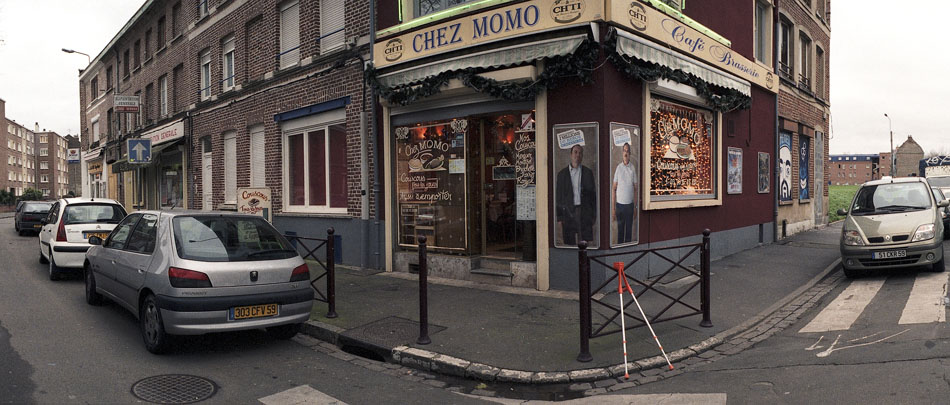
(387, 13)
(733, 21)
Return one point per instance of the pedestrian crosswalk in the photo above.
(924, 304)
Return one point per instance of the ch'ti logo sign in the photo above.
(638, 16)
(393, 50)
(567, 11)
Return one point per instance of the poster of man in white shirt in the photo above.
(625, 185)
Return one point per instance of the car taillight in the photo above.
(181, 278)
(61, 233)
(301, 273)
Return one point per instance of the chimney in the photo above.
(36, 127)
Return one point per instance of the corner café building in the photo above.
(486, 104)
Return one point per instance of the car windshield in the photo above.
(890, 197)
(216, 238)
(93, 214)
(938, 195)
(35, 208)
(943, 181)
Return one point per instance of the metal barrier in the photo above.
(328, 266)
(588, 296)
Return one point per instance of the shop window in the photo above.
(682, 153)
(315, 164)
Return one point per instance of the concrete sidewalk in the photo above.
(525, 336)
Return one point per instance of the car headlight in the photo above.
(924, 232)
(852, 238)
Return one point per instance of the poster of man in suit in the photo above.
(575, 186)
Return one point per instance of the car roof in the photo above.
(80, 200)
(180, 212)
(888, 180)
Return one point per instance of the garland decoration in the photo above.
(578, 65)
(720, 98)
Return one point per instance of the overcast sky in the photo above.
(885, 58)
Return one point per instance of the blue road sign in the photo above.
(140, 150)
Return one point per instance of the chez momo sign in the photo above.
(515, 20)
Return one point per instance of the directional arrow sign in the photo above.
(140, 150)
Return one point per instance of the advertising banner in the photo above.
(256, 201)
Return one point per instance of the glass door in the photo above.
(501, 229)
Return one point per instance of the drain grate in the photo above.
(174, 389)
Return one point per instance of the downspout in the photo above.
(381, 241)
(777, 165)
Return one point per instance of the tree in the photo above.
(5, 197)
(31, 194)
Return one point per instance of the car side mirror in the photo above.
(95, 240)
(943, 203)
(842, 212)
(43, 221)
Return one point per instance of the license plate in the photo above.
(254, 311)
(101, 235)
(38, 226)
(889, 254)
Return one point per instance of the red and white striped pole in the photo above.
(623, 284)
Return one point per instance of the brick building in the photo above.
(853, 169)
(51, 171)
(804, 50)
(17, 158)
(237, 94)
(513, 130)
(907, 158)
(74, 174)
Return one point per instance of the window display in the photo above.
(682, 152)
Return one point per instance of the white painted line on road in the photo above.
(606, 399)
(841, 313)
(925, 304)
(303, 395)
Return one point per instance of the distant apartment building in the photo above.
(73, 173)
(51, 171)
(18, 173)
(804, 39)
(884, 164)
(853, 169)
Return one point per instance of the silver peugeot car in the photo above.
(195, 272)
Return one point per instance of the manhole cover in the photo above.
(390, 332)
(173, 389)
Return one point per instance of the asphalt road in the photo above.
(873, 360)
(54, 348)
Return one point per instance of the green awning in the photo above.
(495, 58)
(644, 50)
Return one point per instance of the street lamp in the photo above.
(88, 62)
(88, 59)
(893, 158)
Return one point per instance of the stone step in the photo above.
(493, 272)
(496, 264)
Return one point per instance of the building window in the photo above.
(177, 77)
(227, 63)
(202, 8)
(205, 75)
(332, 21)
(820, 10)
(147, 103)
(94, 89)
(44, 178)
(95, 131)
(311, 154)
(785, 49)
(163, 96)
(148, 44)
(804, 62)
(289, 34)
(230, 167)
(176, 20)
(425, 7)
(257, 156)
(819, 72)
(44, 152)
(161, 33)
(125, 64)
(44, 138)
(763, 31)
(138, 53)
(109, 78)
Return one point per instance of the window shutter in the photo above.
(257, 156)
(289, 34)
(332, 21)
(230, 168)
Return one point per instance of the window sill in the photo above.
(177, 38)
(147, 61)
(137, 69)
(126, 77)
(290, 214)
(161, 50)
(228, 207)
(784, 202)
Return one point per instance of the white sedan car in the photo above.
(64, 238)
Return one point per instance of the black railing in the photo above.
(302, 245)
(610, 311)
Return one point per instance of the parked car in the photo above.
(944, 211)
(196, 272)
(29, 216)
(67, 228)
(892, 223)
(941, 182)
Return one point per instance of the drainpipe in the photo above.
(380, 241)
(778, 80)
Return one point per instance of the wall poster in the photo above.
(734, 172)
(625, 184)
(682, 151)
(804, 155)
(785, 166)
(525, 172)
(575, 188)
(764, 172)
(430, 189)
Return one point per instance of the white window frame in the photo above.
(289, 40)
(163, 95)
(44, 178)
(44, 165)
(762, 25)
(230, 167)
(205, 70)
(783, 36)
(227, 63)
(202, 8)
(805, 49)
(302, 126)
(44, 152)
(332, 18)
(258, 163)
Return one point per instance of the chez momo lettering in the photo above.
(510, 20)
(426, 145)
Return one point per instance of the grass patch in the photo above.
(839, 197)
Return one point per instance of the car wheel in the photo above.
(92, 297)
(153, 329)
(939, 266)
(284, 332)
(852, 273)
(53, 269)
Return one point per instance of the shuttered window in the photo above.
(289, 34)
(332, 34)
(205, 74)
(230, 167)
(257, 156)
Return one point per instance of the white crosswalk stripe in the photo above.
(302, 395)
(925, 304)
(628, 399)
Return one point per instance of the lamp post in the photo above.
(893, 158)
(82, 175)
(88, 59)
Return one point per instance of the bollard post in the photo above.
(705, 267)
(423, 294)
(583, 267)
(331, 275)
